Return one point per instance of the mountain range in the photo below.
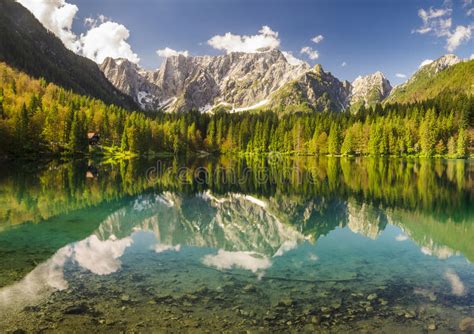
(266, 80)
(236, 82)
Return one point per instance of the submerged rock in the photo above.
(410, 314)
(250, 288)
(286, 302)
(315, 320)
(76, 309)
(431, 327)
(372, 296)
(467, 324)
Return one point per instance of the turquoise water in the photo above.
(234, 245)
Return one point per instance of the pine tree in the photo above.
(22, 129)
(78, 136)
(375, 138)
(428, 134)
(462, 143)
(451, 147)
(440, 148)
(348, 144)
(2, 111)
(333, 140)
(322, 144)
(124, 141)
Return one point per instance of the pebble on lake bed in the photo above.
(467, 324)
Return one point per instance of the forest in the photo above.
(40, 118)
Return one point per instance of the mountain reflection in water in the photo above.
(404, 225)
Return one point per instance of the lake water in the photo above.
(233, 244)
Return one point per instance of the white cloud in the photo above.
(264, 40)
(401, 75)
(438, 22)
(425, 62)
(468, 5)
(317, 39)
(460, 35)
(57, 16)
(344, 64)
(435, 20)
(312, 54)
(471, 57)
(292, 60)
(107, 40)
(104, 39)
(167, 52)
(91, 22)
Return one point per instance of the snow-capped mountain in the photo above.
(243, 81)
(370, 89)
(236, 80)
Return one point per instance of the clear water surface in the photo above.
(327, 245)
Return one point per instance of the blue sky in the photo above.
(366, 35)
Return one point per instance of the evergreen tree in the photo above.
(78, 137)
(334, 140)
(322, 144)
(2, 111)
(348, 144)
(451, 147)
(462, 142)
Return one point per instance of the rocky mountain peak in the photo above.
(370, 89)
(442, 63)
(316, 89)
(132, 80)
(237, 79)
(318, 68)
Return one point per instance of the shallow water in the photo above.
(231, 245)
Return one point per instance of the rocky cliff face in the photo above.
(316, 90)
(370, 89)
(236, 80)
(131, 80)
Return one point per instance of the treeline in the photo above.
(37, 117)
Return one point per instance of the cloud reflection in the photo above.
(100, 257)
(44, 279)
(244, 260)
(160, 248)
(457, 286)
(401, 237)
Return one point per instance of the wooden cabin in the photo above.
(93, 138)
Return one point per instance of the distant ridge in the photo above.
(447, 74)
